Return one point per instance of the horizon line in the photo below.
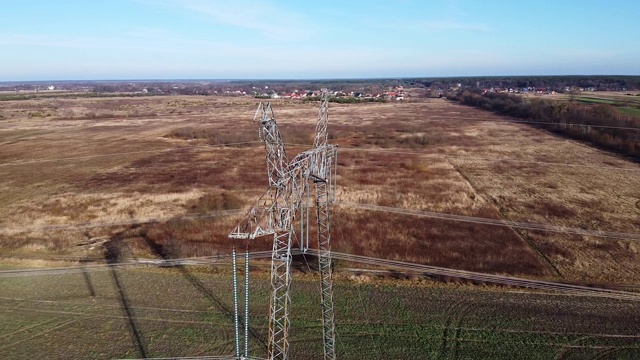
(305, 79)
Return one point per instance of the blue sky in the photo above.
(237, 39)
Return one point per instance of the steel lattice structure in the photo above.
(275, 213)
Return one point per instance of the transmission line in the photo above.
(127, 264)
(471, 158)
(495, 222)
(566, 124)
(90, 225)
(490, 278)
(197, 147)
(367, 260)
(371, 207)
(404, 152)
(449, 119)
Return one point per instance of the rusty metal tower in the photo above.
(274, 215)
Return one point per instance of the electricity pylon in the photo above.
(275, 212)
(322, 177)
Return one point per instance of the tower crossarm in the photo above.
(257, 222)
(269, 132)
(276, 209)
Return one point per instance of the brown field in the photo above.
(68, 161)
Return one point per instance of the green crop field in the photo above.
(629, 111)
(596, 100)
(177, 312)
(623, 110)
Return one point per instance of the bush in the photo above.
(213, 137)
(215, 202)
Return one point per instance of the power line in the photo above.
(490, 278)
(197, 147)
(127, 264)
(566, 124)
(401, 265)
(449, 119)
(365, 322)
(88, 315)
(90, 225)
(495, 222)
(371, 207)
(25, 162)
(471, 158)
(405, 152)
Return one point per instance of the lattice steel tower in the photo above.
(275, 213)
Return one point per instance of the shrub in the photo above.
(215, 201)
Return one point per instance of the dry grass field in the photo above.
(118, 160)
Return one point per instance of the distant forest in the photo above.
(557, 83)
(599, 124)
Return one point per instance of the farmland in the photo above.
(111, 314)
(128, 169)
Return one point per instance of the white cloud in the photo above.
(268, 19)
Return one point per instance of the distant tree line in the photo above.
(599, 124)
(253, 87)
(557, 83)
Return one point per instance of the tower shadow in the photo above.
(305, 263)
(113, 255)
(87, 281)
(167, 253)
